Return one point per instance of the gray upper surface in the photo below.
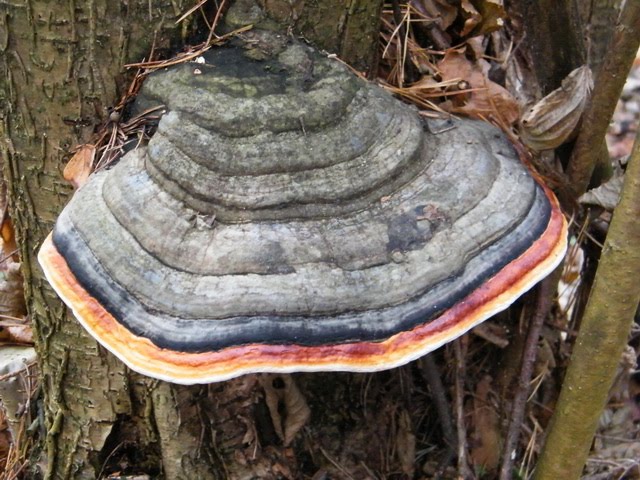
(285, 200)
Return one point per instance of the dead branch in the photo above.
(543, 305)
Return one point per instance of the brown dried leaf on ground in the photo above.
(485, 441)
(287, 406)
(12, 302)
(472, 17)
(620, 461)
(606, 195)
(80, 166)
(492, 15)
(571, 279)
(477, 17)
(492, 332)
(442, 13)
(15, 333)
(487, 100)
(11, 290)
(555, 119)
(7, 234)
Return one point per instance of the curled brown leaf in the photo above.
(287, 406)
(486, 99)
(80, 166)
(555, 119)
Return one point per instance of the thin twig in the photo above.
(432, 27)
(17, 372)
(189, 55)
(214, 24)
(16, 321)
(9, 255)
(431, 374)
(336, 464)
(543, 305)
(459, 347)
(191, 10)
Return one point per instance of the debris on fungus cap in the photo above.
(287, 216)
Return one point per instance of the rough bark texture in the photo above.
(553, 39)
(599, 18)
(346, 27)
(603, 335)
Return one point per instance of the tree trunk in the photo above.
(553, 39)
(61, 69)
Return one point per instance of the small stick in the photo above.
(431, 374)
(460, 348)
(543, 305)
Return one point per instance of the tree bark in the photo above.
(599, 18)
(553, 39)
(348, 28)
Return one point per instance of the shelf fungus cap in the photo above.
(288, 216)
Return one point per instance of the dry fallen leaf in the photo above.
(554, 119)
(606, 195)
(11, 289)
(12, 302)
(492, 14)
(440, 11)
(7, 233)
(80, 166)
(486, 439)
(287, 406)
(472, 17)
(14, 366)
(492, 332)
(488, 100)
(406, 444)
(571, 278)
(12, 332)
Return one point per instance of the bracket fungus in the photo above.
(288, 216)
